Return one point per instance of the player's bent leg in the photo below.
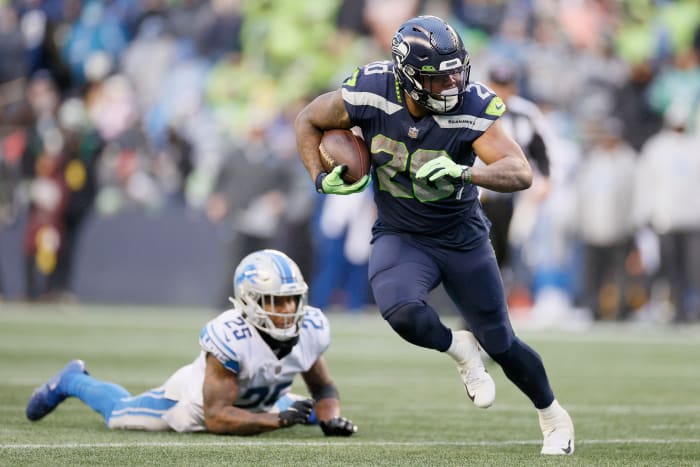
(479, 384)
(46, 397)
(143, 412)
(402, 275)
(557, 430)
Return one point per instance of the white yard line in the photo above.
(524, 408)
(691, 426)
(271, 443)
(527, 409)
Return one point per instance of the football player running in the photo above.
(425, 124)
(239, 384)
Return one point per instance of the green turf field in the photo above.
(633, 392)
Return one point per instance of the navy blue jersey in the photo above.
(437, 212)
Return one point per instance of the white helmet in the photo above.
(259, 278)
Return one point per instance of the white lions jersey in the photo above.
(262, 377)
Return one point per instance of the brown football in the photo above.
(343, 147)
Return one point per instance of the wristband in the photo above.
(466, 178)
(328, 391)
(467, 175)
(319, 181)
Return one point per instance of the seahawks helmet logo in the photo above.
(400, 47)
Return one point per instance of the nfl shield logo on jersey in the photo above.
(413, 132)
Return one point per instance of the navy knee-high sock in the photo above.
(524, 367)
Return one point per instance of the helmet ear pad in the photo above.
(266, 276)
(427, 48)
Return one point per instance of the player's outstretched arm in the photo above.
(507, 168)
(324, 392)
(325, 112)
(220, 391)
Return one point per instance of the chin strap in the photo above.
(280, 348)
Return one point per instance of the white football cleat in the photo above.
(558, 434)
(477, 381)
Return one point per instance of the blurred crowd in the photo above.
(116, 104)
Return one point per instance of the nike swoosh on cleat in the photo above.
(53, 386)
(567, 450)
(468, 394)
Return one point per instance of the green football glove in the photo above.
(442, 166)
(333, 183)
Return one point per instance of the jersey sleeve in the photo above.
(369, 89)
(316, 332)
(219, 335)
(485, 105)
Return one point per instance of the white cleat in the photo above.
(558, 436)
(477, 381)
(479, 385)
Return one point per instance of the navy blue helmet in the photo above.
(431, 63)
